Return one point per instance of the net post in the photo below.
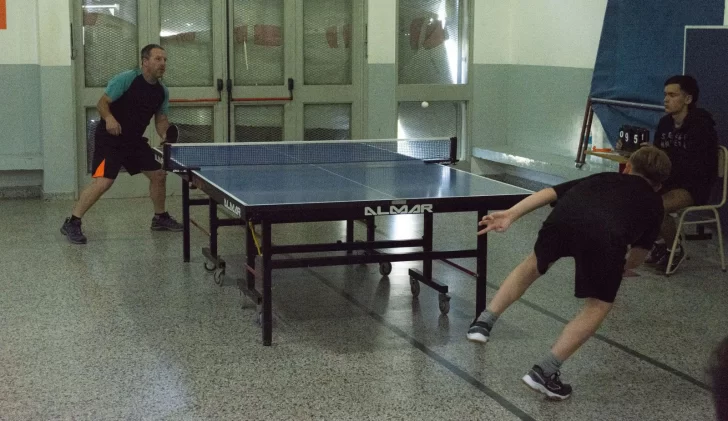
(453, 149)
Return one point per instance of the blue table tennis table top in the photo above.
(279, 184)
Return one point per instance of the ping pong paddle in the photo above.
(172, 134)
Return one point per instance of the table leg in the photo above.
(267, 318)
(185, 220)
(481, 270)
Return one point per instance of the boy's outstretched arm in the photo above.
(500, 221)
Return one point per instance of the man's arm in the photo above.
(161, 123)
(635, 258)
(112, 126)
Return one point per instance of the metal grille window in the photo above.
(195, 123)
(258, 42)
(440, 119)
(259, 123)
(110, 39)
(186, 34)
(431, 42)
(327, 122)
(327, 42)
(92, 120)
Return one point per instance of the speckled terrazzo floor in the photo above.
(121, 329)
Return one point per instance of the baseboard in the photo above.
(24, 192)
(59, 196)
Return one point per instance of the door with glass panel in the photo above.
(315, 47)
(108, 37)
(237, 70)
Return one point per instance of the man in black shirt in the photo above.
(687, 134)
(595, 220)
(130, 100)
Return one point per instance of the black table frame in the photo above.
(265, 216)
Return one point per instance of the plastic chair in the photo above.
(722, 172)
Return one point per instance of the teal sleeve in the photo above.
(119, 84)
(164, 109)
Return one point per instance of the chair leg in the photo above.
(720, 240)
(675, 242)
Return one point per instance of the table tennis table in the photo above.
(259, 184)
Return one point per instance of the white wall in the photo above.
(19, 42)
(382, 31)
(492, 32)
(561, 33)
(38, 121)
(54, 46)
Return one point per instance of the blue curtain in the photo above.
(642, 45)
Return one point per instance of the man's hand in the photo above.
(496, 221)
(113, 126)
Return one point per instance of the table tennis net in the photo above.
(235, 154)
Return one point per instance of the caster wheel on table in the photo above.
(209, 266)
(444, 303)
(219, 276)
(415, 287)
(385, 268)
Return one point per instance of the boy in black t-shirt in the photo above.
(596, 220)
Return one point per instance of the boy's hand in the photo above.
(496, 221)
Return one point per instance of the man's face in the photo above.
(156, 64)
(676, 99)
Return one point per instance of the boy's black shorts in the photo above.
(599, 260)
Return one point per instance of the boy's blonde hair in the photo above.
(652, 163)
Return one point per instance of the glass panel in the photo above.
(327, 122)
(327, 42)
(110, 40)
(430, 48)
(186, 34)
(92, 120)
(195, 123)
(439, 119)
(258, 42)
(259, 123)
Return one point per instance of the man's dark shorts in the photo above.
(113, 152)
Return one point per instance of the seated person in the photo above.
(687, 134)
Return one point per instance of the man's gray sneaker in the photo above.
(164, 222)
(72, 231)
